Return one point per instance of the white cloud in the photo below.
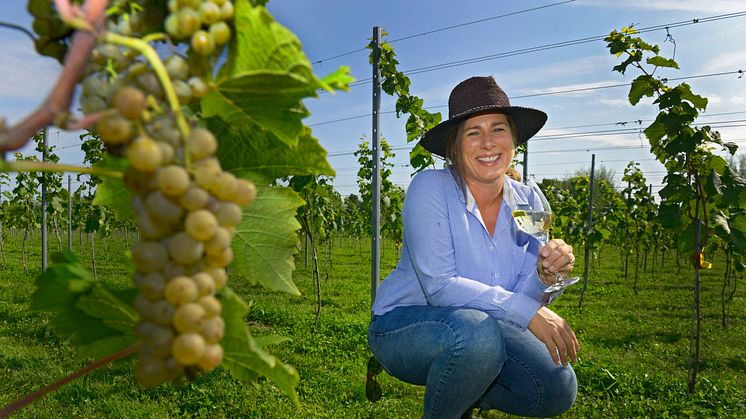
(729, 61)
(710, 6)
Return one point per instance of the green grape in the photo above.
(205, 284)
(143, 307)
(150, 229)
(220, 32)
(218, 242)
(201, 224)
(161, 208)
(149, 82)
(149, 256)
(209, 13)
(203, 43)
(220, 260)
(194, 198)
(185, 249)
(144, 154)
(213, 329)
(92, 104)
(162, 312)
(219, 275)
(171, 24)
(206, 172)
(145, 330)
(226, 11)
(177, 67)
(183, 91)
(181, 290)
(173, 269)
(228, 214)
(188, 22)
(211, 305)
(218, 2)
(173, 180)
(199, 87)
(245, 192)
(188, 348)
(114, 129)
(167, 152)
(194, 4)
(159, 340)
(225, 186)
(130, 102)
(190, 317)
(211, 357)
(201, 144)
(151, 285)
(137, 68)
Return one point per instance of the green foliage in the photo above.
(97, 321)
(245, 356)
(694, 172)
(396, 83)
(265, 240)
(265, 78)
(392, 196)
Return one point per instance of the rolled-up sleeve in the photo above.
(431, 245)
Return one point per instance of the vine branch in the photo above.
(60, 98)
(7, 410)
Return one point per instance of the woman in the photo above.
(464, 312)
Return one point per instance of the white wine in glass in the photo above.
(533, 216)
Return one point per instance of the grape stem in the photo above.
(60, 97)
(152, 57)
(7, 410)
(42, 166)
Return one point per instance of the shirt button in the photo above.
(492, 247)
(497, 275)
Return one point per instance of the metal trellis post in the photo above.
(376, 181)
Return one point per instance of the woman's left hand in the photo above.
(555, 256)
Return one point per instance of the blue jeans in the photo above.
(466, 358)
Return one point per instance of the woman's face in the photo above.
(486, 148)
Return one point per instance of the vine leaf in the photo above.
(112, 193)
(266, 77)
(659, 61)
(262, 159)
(245, 356)
(98, 321)
(641, 86)
(265, 240)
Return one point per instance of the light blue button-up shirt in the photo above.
(449, 259)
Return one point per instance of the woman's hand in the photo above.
(555, 256)
(556, 334)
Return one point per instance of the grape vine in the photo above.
(190, 141)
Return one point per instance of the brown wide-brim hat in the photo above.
(479, 95)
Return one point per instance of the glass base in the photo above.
(561, 283)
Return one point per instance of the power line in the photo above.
(556, 45)
(430, 32)
(736, 123)
(548, 93)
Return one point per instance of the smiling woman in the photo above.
(465, 310)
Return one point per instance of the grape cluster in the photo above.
(203, 22)
(187, 207)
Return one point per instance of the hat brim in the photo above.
(528, 122)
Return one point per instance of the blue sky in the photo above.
(329, 28)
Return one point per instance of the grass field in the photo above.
(634, 352)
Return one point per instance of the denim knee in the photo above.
(479, 338)
(560, 395)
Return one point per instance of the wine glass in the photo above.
(533, 216)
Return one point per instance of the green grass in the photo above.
(634, 352)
